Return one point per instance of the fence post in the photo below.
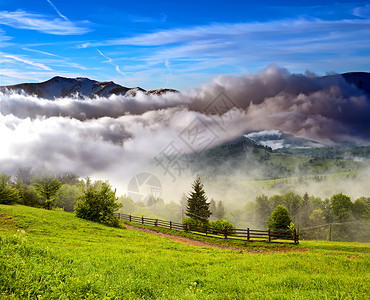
(205, 229)
(225, 233)
(295, 236)
(130, 218)
(170, 225)
(119, 216)
(269, 235)
(330, 232)
(248, 237)
(186, 227)
(156, 223)
(142, 220)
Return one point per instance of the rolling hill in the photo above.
(54, 255)
(256, 160)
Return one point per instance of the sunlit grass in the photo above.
(54, 255)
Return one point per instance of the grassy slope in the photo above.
(55, 255)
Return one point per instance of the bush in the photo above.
(219, 226)
(29, 196)
(193, 224)
(98, 205)
(8, 195)
(215, 227)
(280, 219)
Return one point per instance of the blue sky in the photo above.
(156, 44)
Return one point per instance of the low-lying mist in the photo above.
(118, 137)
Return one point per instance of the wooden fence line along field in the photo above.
(248, 235)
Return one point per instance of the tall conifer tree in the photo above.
(197, 206)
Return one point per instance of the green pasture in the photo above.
(54, 255)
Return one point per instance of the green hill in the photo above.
(54, 255)
(249, 160)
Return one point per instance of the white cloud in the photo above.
(4, 39)
(112, 63)
(28, 62)
(322, 45)
(362, 11)
(249, 31)
(114, 137)
(24, 20)
(41, 52)
(57, 11)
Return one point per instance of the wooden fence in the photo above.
(248, 235)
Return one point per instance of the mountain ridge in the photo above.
(276, 139)
(80, 87)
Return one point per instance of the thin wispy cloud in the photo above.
(142, 45)
(362, 11)
(4, 39)
(24, 20)
(109, 60)
(57, 11)
(28, 62)
(239, 46)
(275, 30)
(41, 52)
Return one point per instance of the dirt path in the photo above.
(189, 241)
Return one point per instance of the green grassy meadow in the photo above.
(54, 255)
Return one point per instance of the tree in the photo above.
(98, 205)
(197, 206)
(292, 202)
(24, 176)
(263, 206)
(212, 207)
(279, 219)
(66, 197)
(220, 210)
(361, 208)
(341, 207)
(69, 178)
(8, 194)
(47, 186)
(315, 221)
(28, 195)
(304, 211)
(5, 180)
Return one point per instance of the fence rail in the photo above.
(249, 235)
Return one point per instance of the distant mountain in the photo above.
(249, 159)
(57, 87)
(276, 139)
(359, 79)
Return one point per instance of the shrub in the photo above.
(280, 219)
(28, 195)
(219, 226)
(193, 224)
(98, 205)
(8, 195)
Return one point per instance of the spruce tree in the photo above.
(197, 206)
(220, 211)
